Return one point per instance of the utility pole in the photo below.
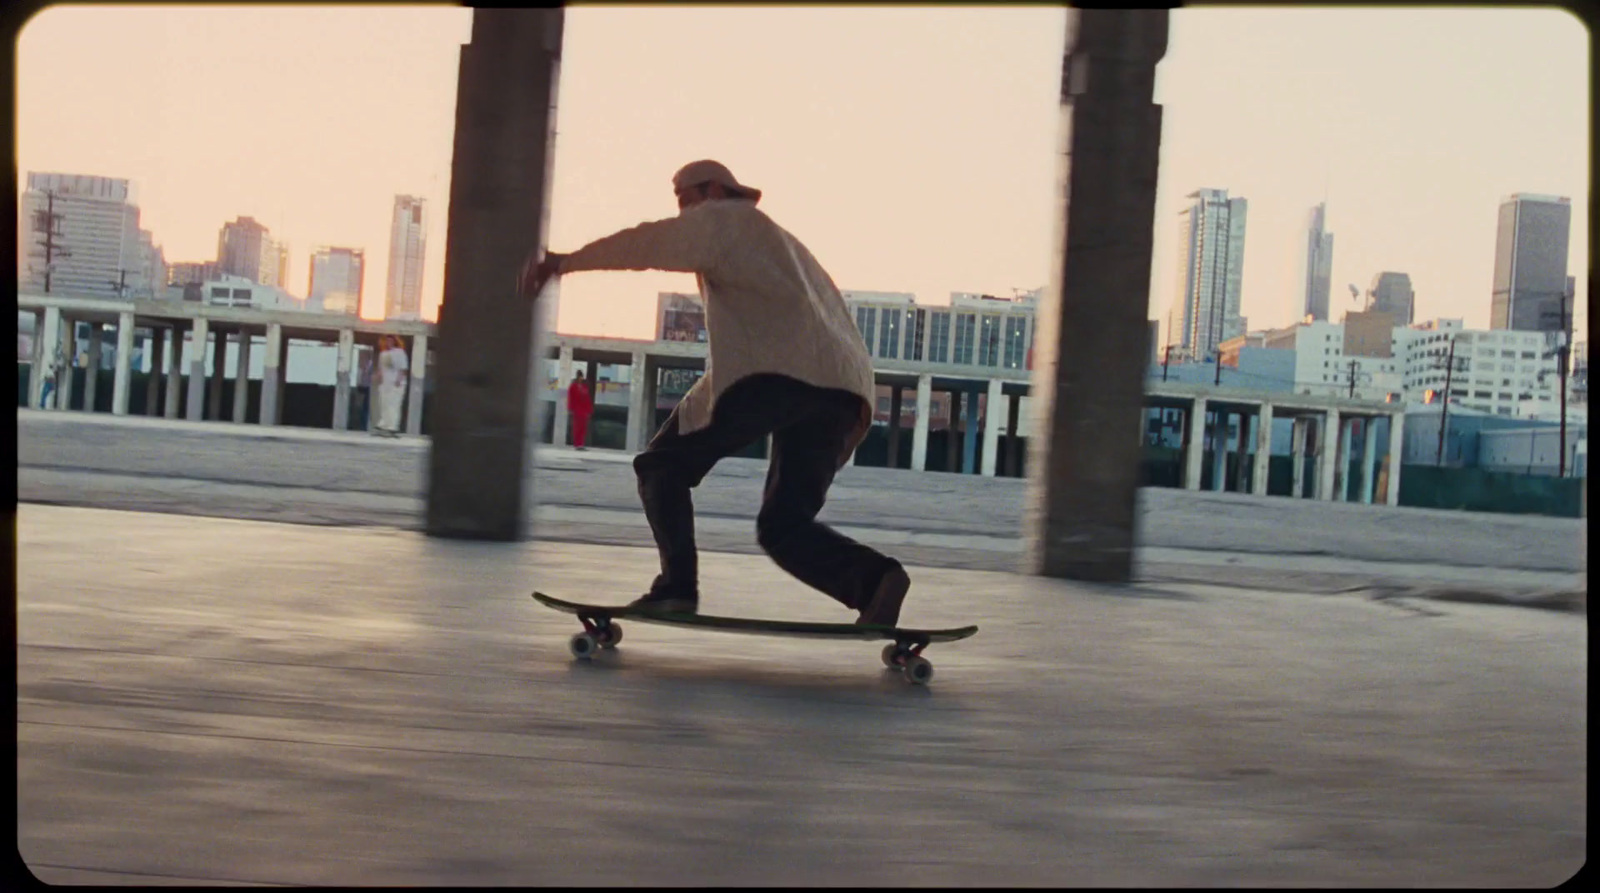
(45, 221)
(1444, 411)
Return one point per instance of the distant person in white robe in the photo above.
(391, 377)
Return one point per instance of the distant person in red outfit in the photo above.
(581, 404)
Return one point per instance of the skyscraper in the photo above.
(244, 248)
(1316, 266)
(1391, 293)
(336, 280)
(1530, 263)
(1211, 258)
(407, 242)
(80, 236)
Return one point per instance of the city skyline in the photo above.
(900, 215)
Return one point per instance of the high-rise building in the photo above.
(336, 278)
(80, 236)
(192, 272)
(1530, 263)
(1211, 258)
(1316, 266)
(1391, 293)
(244, 248)
(407, 242)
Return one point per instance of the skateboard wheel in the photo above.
(890, 652)
(918, 671)
(610, 635)
(583, 646)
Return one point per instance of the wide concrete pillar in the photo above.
(50, 344)
(636, 408)
(894, 426)
(91, 375)
(283, 384)
(952, 431)
(341, 381)
(417, 385)
(36, 360)
(1194, 445)
(241, 378)
(270, 392)
(1263, 463)
(1397, 443)
(1369, 464)
(481, 460)
(124, 373)
(1091, 348)
(1328, 437)
(994, 419)
(1297, 452)
(172, 368)
(218, 377)
(919, 430)
(558, 423)
(198, 341)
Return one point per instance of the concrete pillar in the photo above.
(158, 359)
(919, 431)
(124, 374)
(558, 425)
(1369, 455)
(270, 393)
(1013, 445)
(969, 453)
(48, 338)
(341, 382)
(1090, 355)
(1297, 452)
(952, 430)
(416, 387)
(894, 426)
(69, 355)
(636, 408)
(1328, 429)
(241, 378)
(1219, 451)
(91, 376)
(994, 419)
(1342, 460)
(1263, 464)
(1397, 443)
(172, 368)
(651, 397)
(197, 369)
(480, 464)
(1194, 427)
(36, 360)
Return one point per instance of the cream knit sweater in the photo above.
(770, 307)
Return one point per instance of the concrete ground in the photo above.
(337, 478)
(206, 700)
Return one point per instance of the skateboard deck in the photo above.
(602, 631)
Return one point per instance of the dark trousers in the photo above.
(810, 427)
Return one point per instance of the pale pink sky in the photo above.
(913, 149)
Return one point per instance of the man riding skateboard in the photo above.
(784, 359)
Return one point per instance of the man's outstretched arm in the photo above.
(682, 244)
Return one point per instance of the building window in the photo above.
(1528, 355)
(1016, 343)
(889, 338)
(966, 323)
(939, 338)
(866, 322)
(989, 341)
(918, 331)
(1482, 395)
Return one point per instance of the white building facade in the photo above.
(336, 277)
(407, 244)
(1205, 311)
(95, 246)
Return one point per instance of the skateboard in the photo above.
(904, 651)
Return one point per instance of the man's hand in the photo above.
(535, 276)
